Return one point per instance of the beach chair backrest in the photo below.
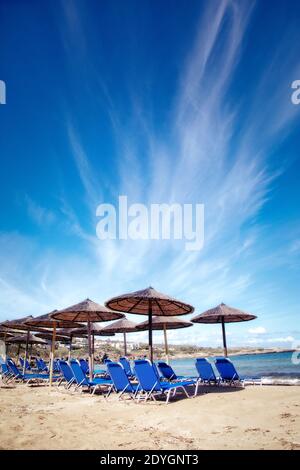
(13, 368)
(226, 369)
(146, 375)
(3, 366)
(43, 364)
(56, 366)
(84, 366)
(126, 364)
(107, 360)
(118, 376)
(66, 370)
(22, 361)
(166, 371)
(80, 377)
(204, 369)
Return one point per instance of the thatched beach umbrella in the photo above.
(149, 302)
(47, 321)
(48, 335)
(25, 339)
(22, 339)
(87, 312)
(5, 334)
(223, 314)
(121, 326)
(96, 330)
(164, 324)
(20, 324)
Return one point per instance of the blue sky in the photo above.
(162, 102)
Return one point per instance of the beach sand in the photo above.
(256, 417)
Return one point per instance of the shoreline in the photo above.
(235, 353)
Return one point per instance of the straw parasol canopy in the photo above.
(47, 321)
(164, 323)
(49, 336)
(223, 314)
(22, 339)
(149, 302)
(121, 326)
(4, 333)
(21, 324)
(87, 311)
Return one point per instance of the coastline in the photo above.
(242, 352)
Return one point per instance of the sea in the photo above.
(279, 368)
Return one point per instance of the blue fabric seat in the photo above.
(227, 371)
(169, 374)
(22, 361)
(41, 365)
(206, 374)
(67, 374)
(126, 365)
(26, 377)
(6, 374)
(150, 385)
(83, 381)
(120, 380)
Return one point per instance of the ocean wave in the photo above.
(280, 380)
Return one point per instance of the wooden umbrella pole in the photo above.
(52, 355)
(90, 350)
(125, 344)
(166, 343)
(224, 337)
(5, 345)
(18, 353)
(70, 347)
(93, 352)
(150, 333)
(26, 351)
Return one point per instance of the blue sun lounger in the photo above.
(206, 374)
(227, 371)
(6, 374)
(17, 374)
(168, 372)
(120, 381)
(82, 381)
(126, 365)
(41, 365)
(67, 374)
(86, 370)
(28, 367)
(84, 366)
(150, 386)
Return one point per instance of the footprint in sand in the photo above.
(230, 428)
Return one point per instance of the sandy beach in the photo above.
(256, 417)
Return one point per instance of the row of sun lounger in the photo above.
(142, 382)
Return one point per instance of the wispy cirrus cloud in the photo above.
(40, 215)
(208, 154)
